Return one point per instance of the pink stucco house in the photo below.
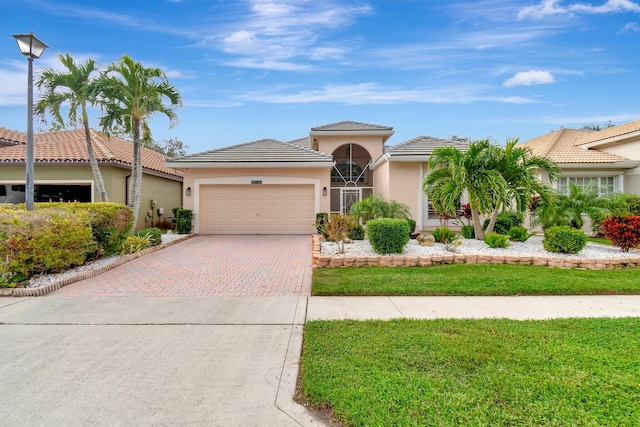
(272, 187)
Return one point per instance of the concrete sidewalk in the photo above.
(518, 307)
(216, 361)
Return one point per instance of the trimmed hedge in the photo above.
(564, 239)
(184, 219)
(111, 223)
(42, 241)
(388, 235)
(356, 233)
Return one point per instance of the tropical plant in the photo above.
(520, 168)
(133, 94)
(504, 222)
(444, 235)
(623, 231)
(375, 206)
(338, 228)
(475, 172)
(519, 234)
(569, 208)
(76, 89)
(495, 240)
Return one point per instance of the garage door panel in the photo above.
(257, 209)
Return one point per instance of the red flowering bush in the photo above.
(623, 231)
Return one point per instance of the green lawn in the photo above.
(600, 240)
(474, 372)
(482, 279)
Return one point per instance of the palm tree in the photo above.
(571, 207)
(134, 93)
(474, 172)
(76, 87)
(520, 168)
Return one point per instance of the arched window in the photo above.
(347, 171)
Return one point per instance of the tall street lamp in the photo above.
(32, 48)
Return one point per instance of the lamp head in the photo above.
(30, 46)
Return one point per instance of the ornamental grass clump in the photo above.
(388, 235)
(564, 239)
(153, 233)
(623, 231)
(444, 235)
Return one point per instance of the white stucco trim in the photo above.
(246, 180)
(612, 140)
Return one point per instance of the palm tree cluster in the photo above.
(128, 94)
(492, 177)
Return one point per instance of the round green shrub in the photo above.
(412, 225)
(356, 233)
(388, 235)
(564, 239)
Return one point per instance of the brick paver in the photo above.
(210, 266)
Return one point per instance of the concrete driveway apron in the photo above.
(204, 332)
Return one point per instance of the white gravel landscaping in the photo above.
(532, 247)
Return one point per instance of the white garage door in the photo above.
(257, 209)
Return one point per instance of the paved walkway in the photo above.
(210, 266)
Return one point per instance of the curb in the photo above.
(44, 290)
(326, 261)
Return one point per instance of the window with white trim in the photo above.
(600, 184)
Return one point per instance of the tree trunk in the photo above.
(97, 175)
(492, 221)
(477, 227)
(135, 184)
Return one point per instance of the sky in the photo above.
(254, 69)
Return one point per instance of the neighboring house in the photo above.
(606, 161)
(271, 187)
(62, 171)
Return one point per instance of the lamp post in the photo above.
(32, 48)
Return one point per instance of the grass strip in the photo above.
(494, 372)
(473, 279)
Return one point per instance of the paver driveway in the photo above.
(210, 266)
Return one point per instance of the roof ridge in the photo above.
(97, 138)
(381, 127)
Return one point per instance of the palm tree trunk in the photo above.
(135, 184)
(97, 175)
(477, 227)
(492, 221)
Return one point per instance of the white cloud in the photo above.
(552, 7)
(529, 78)
(280, 33)
(375, 94)
(631, 26)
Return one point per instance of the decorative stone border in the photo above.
(322, 261)
(43, 290)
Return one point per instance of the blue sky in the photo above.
(253, 69)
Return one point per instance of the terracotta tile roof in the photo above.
(261, 151)
(561, 147)
(69, 146)
(422, 146)
(351, 126)
(612, 132)
(11, 137)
